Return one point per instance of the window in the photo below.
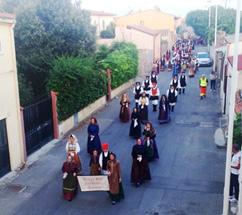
(142, 22)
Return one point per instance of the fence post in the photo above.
(108, 73)
(24, 152)
(55, 114)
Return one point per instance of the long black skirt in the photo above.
(135, 132)
(140, 171)
(143, 114)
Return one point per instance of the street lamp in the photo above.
(234, 84)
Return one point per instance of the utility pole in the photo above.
(215, 35)
(234, 83)
(209, 23)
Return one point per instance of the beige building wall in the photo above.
(231, 49)
(9, 93)
(153, 19)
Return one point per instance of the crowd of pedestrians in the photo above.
(181, 63)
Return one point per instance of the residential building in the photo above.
(153, 19)
(12, 152)
(224, 68)
(101, 20)
(147, 41)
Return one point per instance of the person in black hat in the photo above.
(138, 90)
(147, 85)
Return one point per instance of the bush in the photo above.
(77, 84)
(123, 61)
(237, 134)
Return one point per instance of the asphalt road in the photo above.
(186, 180)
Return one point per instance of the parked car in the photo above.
(204, 59)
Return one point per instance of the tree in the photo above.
(198, 19)
(45, 30)
(109, 32)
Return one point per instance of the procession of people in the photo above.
(103, 162)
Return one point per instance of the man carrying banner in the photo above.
(104, 158)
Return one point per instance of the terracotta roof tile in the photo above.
(144, 29)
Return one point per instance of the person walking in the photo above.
(135, 126)
(104, 158)
(95, 168)
(147, 85)
(138, 90)
(116, 192)
(172, 97)
(93, 139)
(140, 171)
(182, 83)
(164, 113)
(213, 78)
(154, 96)
(70, 170)
(73, 149)
(124, 113)
(150, 133)
(203, 82)
(143, 108)
(234, 174)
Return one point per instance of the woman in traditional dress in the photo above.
(140, 168)
(124, 114)
(149, 148)
(114, 178)
(73, 148)
(135, 127)
(149, 131)
(70, 170)
(95, 168)
(164, 112)
(93, 139)
(143, 108)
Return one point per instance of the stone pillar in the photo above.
(109, 90)
(55, 114)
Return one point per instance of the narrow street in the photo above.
(186, 180)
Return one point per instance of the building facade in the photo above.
(12, 152)
(101, 20)
(153, 19)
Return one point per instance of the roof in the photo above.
(100, 13)
(144, 29)
(230, 59)
(147, 10)
(7, 16)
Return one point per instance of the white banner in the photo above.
(93, 183)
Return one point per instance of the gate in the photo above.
(38, 124)
(4, 152)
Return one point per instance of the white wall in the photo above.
(9, 95)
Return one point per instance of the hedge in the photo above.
(123, 61)
(237, 134)
(77, 84)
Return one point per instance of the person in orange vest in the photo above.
(203, 83)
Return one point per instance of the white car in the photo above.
(204, 59)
